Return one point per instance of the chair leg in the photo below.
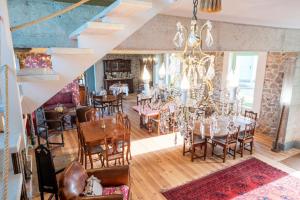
(127, 154)
(192, 153)
(85, 161)
(251, 147)
(42, 195)
(242, 148)
(56, 196)
(213, 148)
(62, 139)
(225, 154)
(205, 150)
(183, 152)
(234, 151)
(47, 139)
(91, 161)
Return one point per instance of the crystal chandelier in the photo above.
(198, 66)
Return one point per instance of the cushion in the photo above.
(93, 187)
(66, 97)
(124, 190)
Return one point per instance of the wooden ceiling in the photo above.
(92, 2)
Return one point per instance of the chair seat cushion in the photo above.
(198, 139)
(124, 190)
(241, 136)
(97, 149)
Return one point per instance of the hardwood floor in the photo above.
(158, 163)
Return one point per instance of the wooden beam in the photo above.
(92, 2)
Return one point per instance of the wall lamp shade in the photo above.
(162, 71)
(210, 6)
(146, 75)
(185, 85)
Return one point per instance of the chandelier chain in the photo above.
(195, 3)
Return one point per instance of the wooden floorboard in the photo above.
(158, 164)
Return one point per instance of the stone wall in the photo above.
(219, 62)
(277, 65)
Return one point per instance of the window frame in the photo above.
(260, 74)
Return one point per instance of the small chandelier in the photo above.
(210, 6)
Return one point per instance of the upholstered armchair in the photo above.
(73, 181)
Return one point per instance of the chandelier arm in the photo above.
(201, 38)
(205, 59)
(185, 39)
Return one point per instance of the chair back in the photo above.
(233, 133)
(250, 114)
(120, 98)
(249, 131)
(72, 182)
(55, 116)
(120, 118)
(127, 124)
(115, 147)
(80, 113)
(45, 170)
(91, 115)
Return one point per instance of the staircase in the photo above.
(95, 39)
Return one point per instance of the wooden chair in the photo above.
(80, 118)
(46, 172)
(118, 104)
(80, 113)
(52, 125)
(114, 150)
(250, 114)
(97, 103)
(228, 143)
(89, 150)
(92, 115)
(198, 142)
(247, 137)
(120, 118)
(127, 126)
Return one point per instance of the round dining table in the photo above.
(108, 99)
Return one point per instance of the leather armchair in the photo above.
(73, 181)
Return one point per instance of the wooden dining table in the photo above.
(94, 133)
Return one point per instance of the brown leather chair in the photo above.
(73, 181)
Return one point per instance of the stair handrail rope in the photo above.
(5, 157)
(50, 16)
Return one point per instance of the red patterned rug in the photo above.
(228, 183)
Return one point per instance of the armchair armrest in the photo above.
(108, 197)
(113, 176)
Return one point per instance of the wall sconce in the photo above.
(162, 71)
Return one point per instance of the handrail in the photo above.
(45, 18)
(5, 171)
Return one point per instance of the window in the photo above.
(245, 70)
